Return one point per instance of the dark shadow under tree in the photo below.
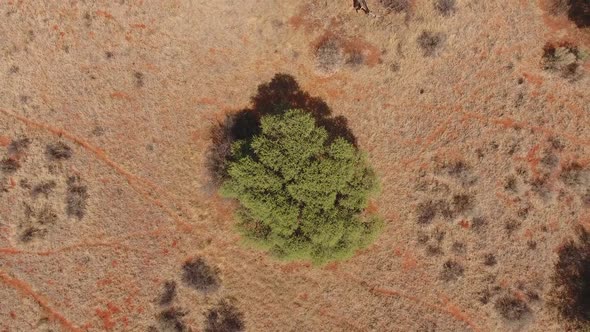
(278, 95)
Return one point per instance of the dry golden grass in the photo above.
(133, 88)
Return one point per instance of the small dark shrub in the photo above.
(431, 42)
(572, 174)
(489, 260)
(445, 7)
(199, 275)
(510, 184)
(462, 203)
(512, 308)
(18, 146)
(434, 250)
(426, 211)
(9, 165)
(422, 238)
(31, 233)
(77, 195)
(172, 320)
(451, 271)
(484, 296)
(224, 317)
(44, 188)
(168, 294)
(58, 151)
(397, 6)
(570, 293)
(511, 225)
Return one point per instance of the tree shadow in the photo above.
(579, 13)
(278, 95)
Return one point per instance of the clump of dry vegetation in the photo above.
(76, 198)
(196, 273)
(451, 271)
(224, 317)
(329, 56)
(58, 151)
(446, 7)
(512, 308)
(172, 319)
(565, 60)
(168, 294)
(431, 43)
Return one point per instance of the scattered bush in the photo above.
(489, 260)
(58, 151)
(169, 293)
(172, 320)
(76, 197)
(511, 308)
(225, 317)
(570, 293)
(426, 212)
(451, 271)
(32, 232)
(44, 188)
(301, 194)
(445, 7)
(199, 275)
(462, 203)
(431, 43)
(9, 165)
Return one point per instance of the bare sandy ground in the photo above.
(105, 114)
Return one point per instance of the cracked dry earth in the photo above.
(107, 221)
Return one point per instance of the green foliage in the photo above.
(302, 196)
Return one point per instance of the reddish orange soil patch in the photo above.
(24, 288)
(4, 140)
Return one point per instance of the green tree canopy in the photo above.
(302, 195)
